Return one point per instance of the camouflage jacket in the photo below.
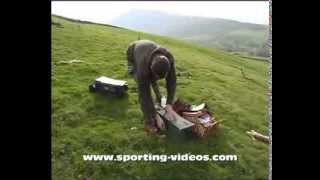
(141, 54)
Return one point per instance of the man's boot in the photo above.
(151, 127)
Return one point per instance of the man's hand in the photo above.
(170, 113)
(160, 123)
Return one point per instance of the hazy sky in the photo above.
(103, 12)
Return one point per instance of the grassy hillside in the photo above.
(212, 32)
(86, 123)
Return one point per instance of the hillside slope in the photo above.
(212, 32)
(86, 123)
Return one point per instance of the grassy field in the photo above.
(86, 123)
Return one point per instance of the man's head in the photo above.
(160, 66)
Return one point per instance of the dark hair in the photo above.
(160, 65)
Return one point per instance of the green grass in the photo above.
(244, 40)
(247, 56)
(86, 123)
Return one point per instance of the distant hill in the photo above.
(212, 32)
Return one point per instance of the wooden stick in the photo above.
(257, 136)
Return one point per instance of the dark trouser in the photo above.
(130, 59)
(132, 72)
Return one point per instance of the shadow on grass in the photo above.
(109, 106)
(186, 143)
(179, 137)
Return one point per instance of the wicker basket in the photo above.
(201, 129)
